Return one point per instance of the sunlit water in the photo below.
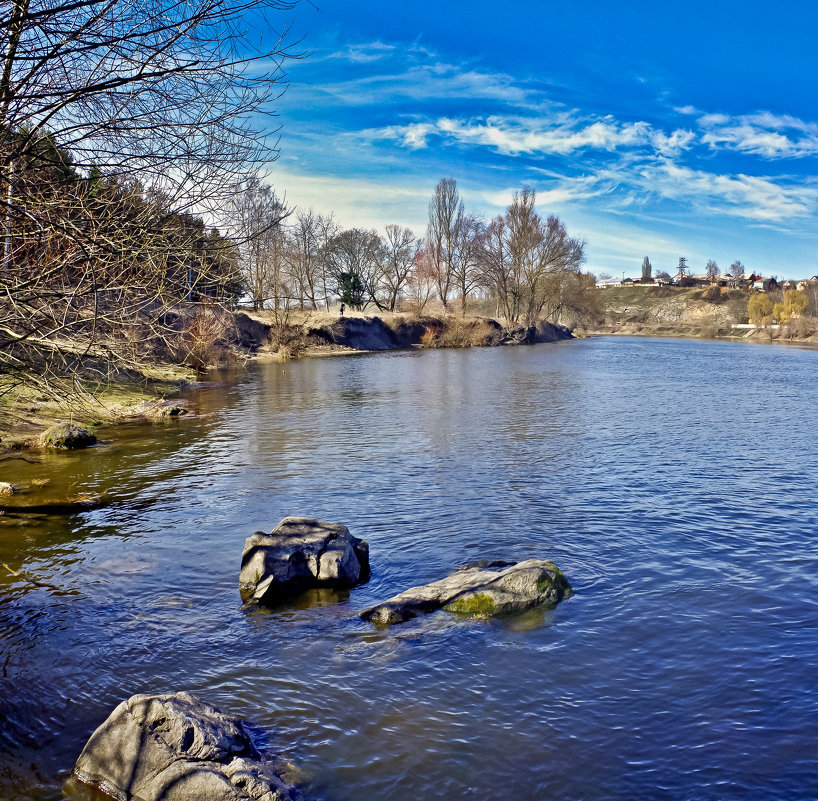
(673, 482)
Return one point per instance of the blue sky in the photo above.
(685, 131)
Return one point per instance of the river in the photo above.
(673, 482)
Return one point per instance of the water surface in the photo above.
(672, 481)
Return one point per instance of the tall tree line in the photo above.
(529, 264)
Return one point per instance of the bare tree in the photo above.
(495, 265)
(355, 263)
(422, 280)
(737, 273)
(464, 258)
(445, 221)
(309, 249)
(304, 256)
(259, 234)
(120, 124)
(712, 270)
(160, 89)
(532, 264)
(398, 259)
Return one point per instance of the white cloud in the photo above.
(357, 202)
(764, 134)
(361, 53)
(560, 135)
(759, 199)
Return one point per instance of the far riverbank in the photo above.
(243, 336)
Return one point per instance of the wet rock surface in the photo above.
(176, 747)
(301, 553)
(478, 591)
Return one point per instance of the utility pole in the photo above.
(682, 267)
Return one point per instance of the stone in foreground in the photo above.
(175, 747)
(298, 554)
(65, 436)
(479, 592)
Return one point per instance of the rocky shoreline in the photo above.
(175, 746)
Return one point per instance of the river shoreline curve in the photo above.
(259, 336)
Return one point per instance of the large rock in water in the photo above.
(479, 592)
(66, 436)
(176, 747)
(298, 554)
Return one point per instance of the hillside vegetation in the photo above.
(673, 310)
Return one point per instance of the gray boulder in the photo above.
(175, 747)
(298, 554)
(479, 592)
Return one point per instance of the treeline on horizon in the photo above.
(523, 265)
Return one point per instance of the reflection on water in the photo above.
(672, 481)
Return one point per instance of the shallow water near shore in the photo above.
(673, 482)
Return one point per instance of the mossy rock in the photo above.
(65, 436)
(479, 593)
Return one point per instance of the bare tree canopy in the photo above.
(445, 220)
(355, 263)
(258, 215)
(531, 264)
(165, 90)
(397, 261)
(120, 121)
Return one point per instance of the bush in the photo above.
(203, 339)
(461, 333)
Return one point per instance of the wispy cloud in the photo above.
(761, 134)
(759, 199)
(560, 135)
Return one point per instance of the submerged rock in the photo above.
(479, 592)
(176, 747)
(298, 554)
(67, 437)
(6, 488)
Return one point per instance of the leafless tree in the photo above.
(737, 273)
(495, 268)
(712, 270)
(464, 263)
(121, 123)
(422, 281)
(532, 264)
(445, 221)
(397, 260)
(355, 263)
(259, 233)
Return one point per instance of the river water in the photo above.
(674, 482)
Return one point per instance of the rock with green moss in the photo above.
(67, 436)
(480, 592)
